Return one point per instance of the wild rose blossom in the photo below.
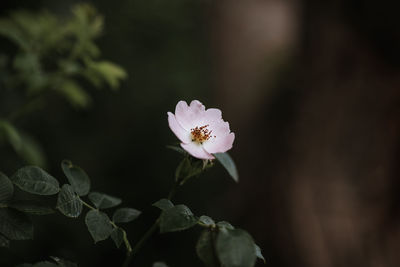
(202, 132)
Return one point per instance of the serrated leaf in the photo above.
(99, 225)
(235, 248)
(76, 177)
(159, 264)
(228, 163)
(31, 208)
(4, 242)
(124, 215)
(6, 188)
(15, 225)
(34, 180)
(104, 201)
(206, 220)
(68, 202)
(259, 253)
(163, 204)
(205, 249)
(117, 235)
(177, 218)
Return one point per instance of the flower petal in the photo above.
(189, 116)
(177, 129)
(196, 150)
(219, 144)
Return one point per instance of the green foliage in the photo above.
(177, 218)
(235, 248)
(205, 249)
(68, 202)
(259, 253)
(163, 204)
(159, 264)
(57, 262)
(206, 221)
(36, 181)
(124, 215)
(77, 177)
(6, 188)
(99, 225)
(30, 207)
(15, 225)
(117, 235)
(104, 201)
(228, 164)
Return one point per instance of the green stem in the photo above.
(149, 232)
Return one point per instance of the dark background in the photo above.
(311, 90)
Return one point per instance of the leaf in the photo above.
(124, 215)
(76, 177)
(205, 249)
(36, 181)
(63, 263)
(117, 235)
(159, 264)
(225, 225)
(177, 149)
(110, 72)
(235, 248)
(258, 253)
(206, 220)
(11, 133)
(103, 201)
(31, 208)
(31, 151)
(187, 169)
(6, 188)
(99, 225)
(4, 242)
(177, 218)
(45, 264)
(228, 163)
(163, 204)
(74, 93)
(68, 202)
(15, 225)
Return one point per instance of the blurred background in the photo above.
(311, 90)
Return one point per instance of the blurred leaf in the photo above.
(34, 180)
(103, 201)
(31, 151)
(108, 71)
(74, 93)
(6, 188)
(77, 177)
(235, 248)
(163, 204)
(31, 208)
(10, 30)
(45, 264)
(177, 218)
(258, 253)
(68, 202)
(206, 220)
(117, 235)
(205, 249)
(99, 225)
(4, 242)
(228, 164)
(15, 225)
(187, 169)
(124, 215)
(11, 134)
(159, 264)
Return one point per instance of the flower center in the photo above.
(200, 134)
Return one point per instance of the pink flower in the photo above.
(202, 132)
